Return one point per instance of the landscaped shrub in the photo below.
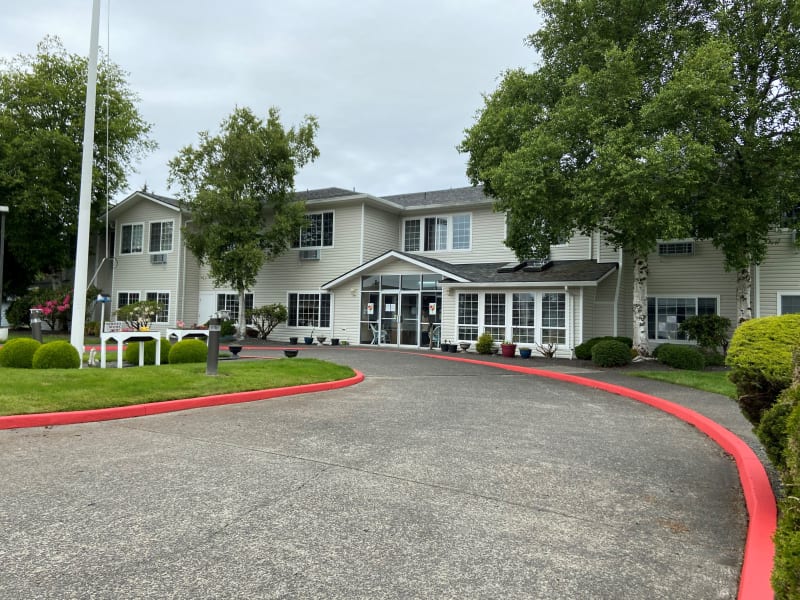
(485, 344)
(56, 355)
(188, 351)
(709, 331)
(681, 357)
(584, 351)
(266, 318)
(132, 352)
(786, 571)
(771, 431)
(760, 355)
(611, 353)
(18, 353)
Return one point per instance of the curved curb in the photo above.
(759, 549)
(155, 408)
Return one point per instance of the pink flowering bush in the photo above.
(55, 310)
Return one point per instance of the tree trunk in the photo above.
(640, 270)
(241, 329)
(744, 287)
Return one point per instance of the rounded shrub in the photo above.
(584, 351)
(485, 344)
(760, 357)
(771, 432)
(188, 351)
(132, 352)
(681, 357)
(56, 355)
(611, 353)
(18, 353)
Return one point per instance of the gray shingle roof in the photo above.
(453, 196)
(561, 271)
(324, 193)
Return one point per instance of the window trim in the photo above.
(779, 296)
(129, 292)
(695, 296)
(122, 238)
(298, 243)
(235, 294)
(686, 244)
(171, 237)
(294, 318)
(169, 303)
(449, 218)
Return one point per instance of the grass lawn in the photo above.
(716, 382)
(26, 391)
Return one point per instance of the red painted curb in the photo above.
(759, 549)
(154, 408)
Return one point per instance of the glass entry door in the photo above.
(389, 312)
(409, 319)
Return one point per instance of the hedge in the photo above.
(611, 353)
(18, 353)
(56, 355)
(679, 356)
(584, 351)
(188, 351)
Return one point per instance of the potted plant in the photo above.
(321, 339)
(290, 353)
(453, 347)
(445, 346)
(525, 352)
(293, 340)
(508, 349)
(334, 341)
(308, 340)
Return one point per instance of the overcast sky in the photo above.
(393, 84)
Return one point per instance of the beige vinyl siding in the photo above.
(579, 247)
(607, 253)
(381, 232)
(134, 272)
(779, 273)
(699, 274)
(345, 314)
(188, 311)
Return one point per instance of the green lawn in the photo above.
(26, 391)
(716, 382)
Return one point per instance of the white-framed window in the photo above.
(468, 317)
(230, 302)
(318, 233)
(161, 236)
(788, 303)
(163, 299)
(439, 233)
(523, 317)
(125, 298)
(131, 241)
(665, 314)
(536, 317)
(676, 248)
(309, 309)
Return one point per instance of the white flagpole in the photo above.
(84, 211)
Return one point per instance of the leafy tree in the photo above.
(624, 128)
(42, 106)
(239, 186)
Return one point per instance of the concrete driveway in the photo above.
(430, 479)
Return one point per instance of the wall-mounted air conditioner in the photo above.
(158, 259)
(310, 254)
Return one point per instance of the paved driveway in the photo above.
(430, 479)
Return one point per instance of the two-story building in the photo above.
(414, 269)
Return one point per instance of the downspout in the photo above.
(181, 268)
(757, 291)
(361, 249)
(617, 292)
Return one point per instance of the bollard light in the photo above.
(36, 324)
(213, 341)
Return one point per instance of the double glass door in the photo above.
(399, 319)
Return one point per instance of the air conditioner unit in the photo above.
(310, 254)
(158, 259)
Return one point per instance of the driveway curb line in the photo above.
(759, 550)
(155, 408)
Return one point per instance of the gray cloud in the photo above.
(393, 84)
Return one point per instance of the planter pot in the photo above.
(321, 339)
(453, 348)
(235, 351)
(465, 345)
(308, 340)
(292, 340)
(445, 347)
(290, 353)
(524, 352)
(334, 341)
(508, 350)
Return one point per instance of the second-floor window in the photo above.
(132, 235)
(431, 234)
(161, 236)
(318, 233)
